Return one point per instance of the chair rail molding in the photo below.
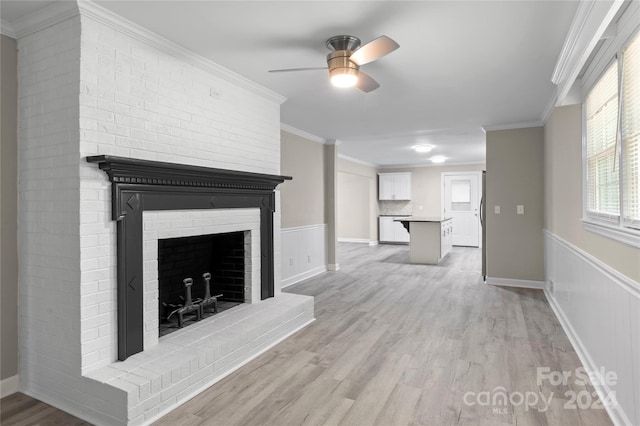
(599, 310)
(303, 252)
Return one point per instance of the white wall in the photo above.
(49, 205)
(9, 217)
(304, 253)
(599, 309)
(137, 101)
(86, 89)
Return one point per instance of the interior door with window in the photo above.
(461, 202)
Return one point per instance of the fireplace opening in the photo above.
(187, 266)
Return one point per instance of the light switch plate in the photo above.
(496, 209)
(520, 209)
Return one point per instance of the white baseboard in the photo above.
(355, 240)
(508, 282)
(9, 386)
(303, 276)
(333, 267)
(373, 243)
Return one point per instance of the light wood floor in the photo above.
(393, 344)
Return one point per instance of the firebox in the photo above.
(199, 276)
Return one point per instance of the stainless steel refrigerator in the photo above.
(483, 223)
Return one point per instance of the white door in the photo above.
(461, 202)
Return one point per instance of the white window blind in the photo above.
(630, 132)
(603, 174)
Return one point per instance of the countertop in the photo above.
(423, 219)
(394, 215)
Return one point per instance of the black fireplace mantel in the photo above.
(139, 185)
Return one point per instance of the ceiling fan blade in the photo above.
(366, 83)
(373, 50)
(299, 69)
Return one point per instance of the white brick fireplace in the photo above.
(188, 223)
(91, 84)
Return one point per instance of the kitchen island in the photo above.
(430, 238)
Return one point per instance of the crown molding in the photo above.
(512, 126)
(60, 11)
(589, 24)
(6, 29)
(45, 17)
(548, 110)
(420, 166)
(295, 131)
(104, 16)
(355, 160)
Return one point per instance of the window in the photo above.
(601, 110)
(612, 147)
(630, 132)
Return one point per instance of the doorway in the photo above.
(461, 192)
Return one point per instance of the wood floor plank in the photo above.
(393, 344)
(400, 406)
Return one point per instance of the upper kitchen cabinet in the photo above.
(394, 186)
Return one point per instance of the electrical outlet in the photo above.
(520, 209)
(290, 261)
(496, 209)
(308, 259)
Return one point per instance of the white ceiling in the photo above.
(461, 65)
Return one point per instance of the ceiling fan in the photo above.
(346, 58)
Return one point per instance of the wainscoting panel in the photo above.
(599, 309)
(304, 253)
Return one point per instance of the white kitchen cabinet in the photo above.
(446, 242)
(391, 231)
(394, 186)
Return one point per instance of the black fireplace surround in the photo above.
(139, 185)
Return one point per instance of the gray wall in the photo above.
(302, 200)
(353, 205)
(563, 193)
(357, 201)
(8, 210)
(515, 176)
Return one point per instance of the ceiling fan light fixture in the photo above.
(344, 77)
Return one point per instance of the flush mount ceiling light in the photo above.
(344, 77)
(422, 148)
(438, 159)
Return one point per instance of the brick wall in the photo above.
(87, 89)
(136, 101)
(49, 253)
